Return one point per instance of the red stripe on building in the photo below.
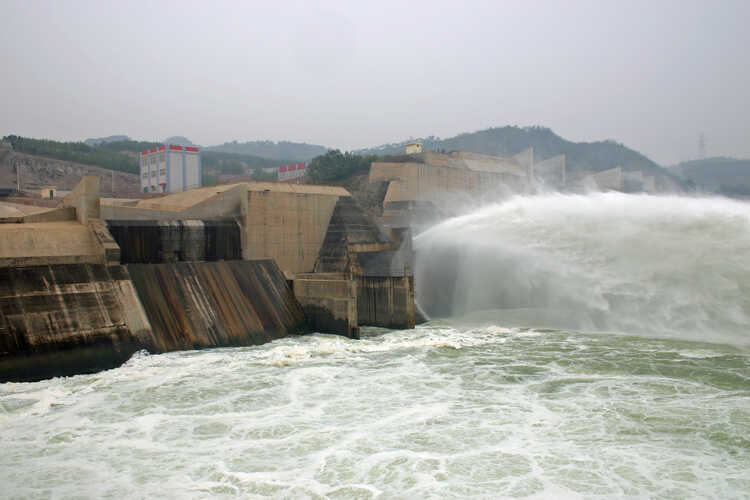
(162, 148)
(282, 169)
(292, 167)
(152, 150)
(176, 148)
(144, 152)
(194, 150)
(300, 166)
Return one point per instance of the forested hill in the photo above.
(123, 155)
(507, 141)
(728, 176)
(283, 150)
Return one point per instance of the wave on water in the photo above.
(638, 264)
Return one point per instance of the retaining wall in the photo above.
(65, 319)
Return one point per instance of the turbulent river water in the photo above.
(599, 351)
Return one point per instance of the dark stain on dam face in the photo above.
(154, 242)
(60, 320)
(207, 304)
(63, 319)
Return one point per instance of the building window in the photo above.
(163, 172)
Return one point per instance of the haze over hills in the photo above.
(96, 141)
(727, 176)
(509, 140)
(178, 139)
(282, 150)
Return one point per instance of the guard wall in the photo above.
(550, 173)
(437, 183)
(39, 243)
(85, 199)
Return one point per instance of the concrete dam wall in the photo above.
(207, 304)
(153, 242)
(213, 268)
(67, 319)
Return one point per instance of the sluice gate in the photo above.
(152, 241)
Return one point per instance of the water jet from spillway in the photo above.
(637, 264)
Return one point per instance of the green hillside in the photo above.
(77, 152)
(122, 155)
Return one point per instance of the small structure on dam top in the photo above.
(421, 188)
(85, 285)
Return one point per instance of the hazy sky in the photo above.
(649, 74)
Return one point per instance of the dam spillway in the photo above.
(209, 304)
(67, 319)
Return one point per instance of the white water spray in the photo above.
(640, 264)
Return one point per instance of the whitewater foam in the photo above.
(439, 411)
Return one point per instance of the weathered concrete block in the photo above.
(108, 245)
(85, 199)
(329, 301)
(386, 301)
(59, 320)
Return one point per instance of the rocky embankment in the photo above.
(37, 171)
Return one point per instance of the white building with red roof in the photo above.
(170, 168)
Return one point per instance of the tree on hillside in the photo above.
(335, 165)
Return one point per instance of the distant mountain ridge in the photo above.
(282, 150)
(509, 140)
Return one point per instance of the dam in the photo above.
(249, 262)
(86, 285)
